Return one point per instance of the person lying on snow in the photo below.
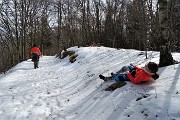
(134, 74)
(35, 53)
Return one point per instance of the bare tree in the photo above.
(59, 14)
(165, 50)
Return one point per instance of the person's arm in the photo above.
(135, 80)
(30, 52)
(39, 52)
(135, 66)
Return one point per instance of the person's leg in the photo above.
(38, 61)
(116, 77)
(34, 65)
(35, 59)
(123, 69)
(37, 64)
(121, 77)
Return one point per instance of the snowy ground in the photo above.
(59, 90)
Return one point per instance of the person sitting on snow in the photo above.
(35, 52)
(135, 74)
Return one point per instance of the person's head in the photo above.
(34, 45)
(152, 67)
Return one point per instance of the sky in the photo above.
(60, 90)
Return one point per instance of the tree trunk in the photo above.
(165, 49)
(59, 24)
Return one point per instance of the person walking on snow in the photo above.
(134, 74)
(35, 53)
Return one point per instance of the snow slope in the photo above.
(60, 90)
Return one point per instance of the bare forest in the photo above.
(53, 24)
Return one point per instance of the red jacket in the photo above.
(35, 49)
(140, 76)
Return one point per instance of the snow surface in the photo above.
(60, 90)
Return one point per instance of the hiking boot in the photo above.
(106, 78)
(101, 77)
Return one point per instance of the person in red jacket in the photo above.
(135, 74)
(35, 53)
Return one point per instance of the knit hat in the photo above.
(153, 67)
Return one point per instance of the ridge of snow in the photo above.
(60, 90)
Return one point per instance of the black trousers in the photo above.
(35, 59)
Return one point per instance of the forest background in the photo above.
(54, 24)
